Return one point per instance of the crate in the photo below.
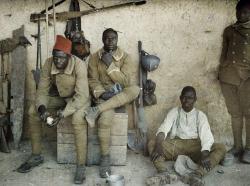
(118, 149)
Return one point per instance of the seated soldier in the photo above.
(109, 74)
(67, 76)
(186, 131)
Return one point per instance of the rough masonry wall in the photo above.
(185, 34)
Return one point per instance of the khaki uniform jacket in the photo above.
(102, 78)
(72, 85)
(7, 45)
(235, 56)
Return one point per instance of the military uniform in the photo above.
(101, 79)
(234, 73)
(73, 98)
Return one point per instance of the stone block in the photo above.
(120, 125)
(118, 150)
(65, 138)
(66, 153)
(118, 155)
(65, 126)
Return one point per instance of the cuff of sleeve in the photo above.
(98, 93)
(112, 68)
(66, 113)
(38, 105)
(160, 132)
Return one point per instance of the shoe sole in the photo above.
(245, 161)
(79, 182)
(28, 170)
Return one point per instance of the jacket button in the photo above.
(234, 61)
(233, 52)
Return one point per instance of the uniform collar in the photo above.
(68, 70)
(117, 55)
(244, 25)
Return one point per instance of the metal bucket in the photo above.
(228, 160)
(115, 180)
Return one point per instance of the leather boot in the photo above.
(104, 166)
(80, 174)
(33, 161)
(236, 152)
(237, 127)
(246, 156)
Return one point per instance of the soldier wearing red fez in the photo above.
(62, 92)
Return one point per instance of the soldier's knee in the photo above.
(106, 118)
(78, 117)
(32, 110)
(220, 147)
(134, 90)
(104, 123)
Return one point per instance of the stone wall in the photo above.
(185, 34)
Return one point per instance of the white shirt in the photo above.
(188, 125)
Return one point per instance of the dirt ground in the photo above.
(138, 168)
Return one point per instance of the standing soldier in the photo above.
(234, 76)
(67, 75)
(110, 71)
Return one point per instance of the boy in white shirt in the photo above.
(186, 131)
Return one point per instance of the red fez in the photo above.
(63, 44)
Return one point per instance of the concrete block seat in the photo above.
(118, 152)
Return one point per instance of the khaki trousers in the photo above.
(78, 122)
(189, 147)
(107, 114)
(238, 105)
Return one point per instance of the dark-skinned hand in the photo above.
(205, 161)
(43, 113)
(107, 58)
(158, 150)
(57, 118)
(107, 95)
(59, 114)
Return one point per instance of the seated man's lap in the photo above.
(106, 118)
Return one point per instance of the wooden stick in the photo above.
(54, 19)
(47, 27)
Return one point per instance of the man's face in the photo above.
(110, 40)
(60, 59)
(187, 100)
(243, 15)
